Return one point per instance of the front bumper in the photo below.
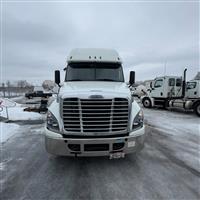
(57, 145)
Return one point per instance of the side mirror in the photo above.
(132, 78)
(151, 85)
(57, 77)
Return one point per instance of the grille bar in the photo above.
(90, 109)
(100, 117)
(95, 129)
(104, 116)
(102, 121)
(94, 101)
(95, 106)
(100, 113)
(124, 124)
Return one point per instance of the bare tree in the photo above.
(3, 86)
(8, 84)
(48, 84)
(22, 83)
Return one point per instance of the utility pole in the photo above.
(165, 67)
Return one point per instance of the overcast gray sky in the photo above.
(37, 36)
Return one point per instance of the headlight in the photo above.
(138, 120)
(52, 123)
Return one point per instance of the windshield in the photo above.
(94, 72)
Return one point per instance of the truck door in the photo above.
(171, 87)
(157, 90)
(178, 87)
(192, 89)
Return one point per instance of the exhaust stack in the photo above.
(184, 83)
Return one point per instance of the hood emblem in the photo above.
(96, 96)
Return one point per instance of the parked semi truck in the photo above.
(38, 92)
(173, 91)
(94, 113)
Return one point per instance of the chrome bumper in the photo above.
(57, 145)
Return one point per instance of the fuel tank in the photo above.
(180, 103)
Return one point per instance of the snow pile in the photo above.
(17, 113)
(7, 130)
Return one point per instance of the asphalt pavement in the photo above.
(28, 172)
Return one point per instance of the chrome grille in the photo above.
(95, 115)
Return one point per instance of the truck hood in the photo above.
(87, 88)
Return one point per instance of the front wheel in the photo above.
(197, 109)
(146, 103)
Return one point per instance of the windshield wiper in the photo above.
(75, 80)
(104, 79)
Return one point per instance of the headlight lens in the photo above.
(138, 121)
(52, 123)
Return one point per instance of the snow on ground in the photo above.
(182, 131)
(16, 99)
(16, 113)
(7, 130)
(175, 123)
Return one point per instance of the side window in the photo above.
(191, 85)
(178, 82)
(158, 83)
(171, 82)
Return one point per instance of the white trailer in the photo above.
(173, 91)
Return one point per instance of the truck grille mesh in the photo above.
(95, 115)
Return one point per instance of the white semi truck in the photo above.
(173, 91)
(94, 113)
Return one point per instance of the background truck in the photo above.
(94, 113)
(38, 92)
(173, 91)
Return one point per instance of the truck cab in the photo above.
(94, 113)
(167, 86)
(173, 91)
(193, 89)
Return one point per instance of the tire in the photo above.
(146, 103)
(165, 104)
(197, 109)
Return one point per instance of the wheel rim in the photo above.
(146, 103)
(198, 108)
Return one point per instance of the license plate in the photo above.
(131, 143)
(117, 155)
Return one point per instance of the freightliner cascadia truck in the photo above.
(94, 113)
